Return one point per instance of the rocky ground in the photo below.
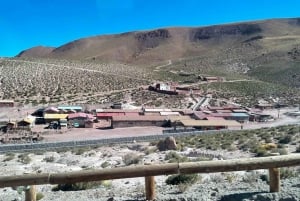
(218, 186)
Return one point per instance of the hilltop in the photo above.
(268, 49)
(261, 58)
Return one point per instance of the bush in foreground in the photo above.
(182, 179)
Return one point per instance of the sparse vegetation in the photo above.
(9, 157)
(77, 186)
(105, 164)
(287, 172)
(182, 179)
(24, 158)
(39, 196)
(131, 158)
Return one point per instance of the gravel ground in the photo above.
(231, 186)
(211, 189)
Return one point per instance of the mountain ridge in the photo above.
(166, 43)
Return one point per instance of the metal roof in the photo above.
(80, 115)
(239, 114)
(139, 118)
(69, 107)
(55, 116)
(169, 113)
(157, 110)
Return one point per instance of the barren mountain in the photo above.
(39, 51)
(171, 43)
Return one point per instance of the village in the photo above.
(204, 115)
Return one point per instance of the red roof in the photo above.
(139, 118)
(221, 114)
(201, 115)
(80, 115)
(110, 114)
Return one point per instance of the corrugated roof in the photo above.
(110, 114)
(80, 114)
(139, 118)
(239, 115)
(178, 118)
(117, 110)
(157, 110)
(221, 114)
(191, 123)
(214, 118)
(55, 116)
(69, 107)
(169, 113)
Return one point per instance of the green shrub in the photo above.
(76, 186)
(286, 139)
(261, 152)
(131, 158)
(265, 178)
(182, 179)
(39, 196)
(49, 159)
(174, 157)
(9, 157)
(298, 149)
(286, 173)
(80, 151)
(24, 158)
(105, 164)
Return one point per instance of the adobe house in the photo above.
(210, 124)
(138, 121)
(54, 117)
(7, 103)
(79, 119)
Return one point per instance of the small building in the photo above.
(210, 124)
(117, 106)
(54, 117)
(200, 115)
(63, 123)
(260, 117)
(264, 106)
(107, 114)
(70, 108)
(240, 117)
(7, 103)
(25, 123)
(79, 119)
(169, 114)
(51, 110)
(155, 111)
(137, 121)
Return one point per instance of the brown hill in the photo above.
(172, 43)
(39, 51)
(268, 50)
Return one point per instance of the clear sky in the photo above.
(29, 23)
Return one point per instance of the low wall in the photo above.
(70, 144)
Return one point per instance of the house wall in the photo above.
(79, 121)
(6, 104)
(123, 124)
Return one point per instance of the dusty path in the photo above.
(92, 133)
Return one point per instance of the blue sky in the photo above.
(29, 23)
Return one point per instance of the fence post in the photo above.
(30, 193)
(150, 187)
(274, 175)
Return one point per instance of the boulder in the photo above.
(168, 144)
